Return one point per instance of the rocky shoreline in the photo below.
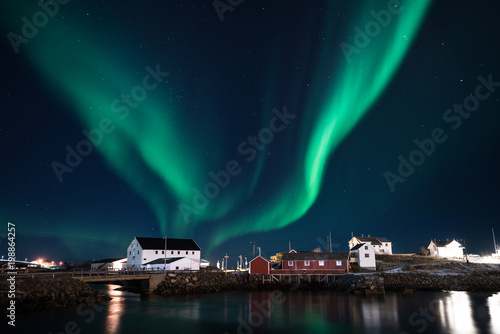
(49, 293)
(365, 283)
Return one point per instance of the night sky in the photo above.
(245, 121)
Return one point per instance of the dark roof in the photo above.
(162, 261)
(316, 256)
(443, 243)
(358, 246)
(108, 260)
(172, 244)
(374, 240)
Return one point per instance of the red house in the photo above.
(315, 263)
(259, 265)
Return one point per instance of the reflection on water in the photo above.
(279, 312)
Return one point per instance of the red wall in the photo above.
(259, 266)
(299, 266)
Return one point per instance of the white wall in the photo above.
(136, 256)
(366, 262)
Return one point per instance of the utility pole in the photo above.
(241, 262)
(465, 246)
(330, 241)
(253, 248)
(259, 250)
(327, 244)
(494, 242)
(289, 245)
(165, 258)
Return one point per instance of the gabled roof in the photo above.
(442, 243)
(162, 261)
(316, 256)
(358, 246)
(374, 240)
(255, 258)
(172, 244)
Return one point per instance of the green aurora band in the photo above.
(88, 75)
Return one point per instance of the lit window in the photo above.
(339, 263)
(321, 263)
(290, 263)
(367, 255)
(306, 263)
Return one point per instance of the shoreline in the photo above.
(45, 293)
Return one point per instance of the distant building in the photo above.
(381, 245)
(450, 249)
(144, 251)
(364, 256)
(109, 264)
(204, 263)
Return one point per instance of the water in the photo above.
(274, 312)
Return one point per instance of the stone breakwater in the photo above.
(377, 283)
(474, 281)
(47, 293)
(180, 284)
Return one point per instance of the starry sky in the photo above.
(233, 122)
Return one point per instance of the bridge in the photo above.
(148, 280)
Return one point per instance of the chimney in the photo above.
(369, 236)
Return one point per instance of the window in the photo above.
(382, 250)
(129, 252)
(290, 263)
(367, 255)
(137, 252)
(321, 263)
(178, 252)
(177, 268)
(163, 252)
(366, 247)
(187, 252)
(338, 263)
(306, 263)
(386, 245)
(193, 253)
(156, 252)
(172, 252)
(144, 259)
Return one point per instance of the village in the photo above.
(363, 253)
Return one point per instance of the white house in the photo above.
(109, 264)
(446, 249)
(381, 245)
(364, 256)
(143, 251)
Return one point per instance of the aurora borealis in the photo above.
(276, 123)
